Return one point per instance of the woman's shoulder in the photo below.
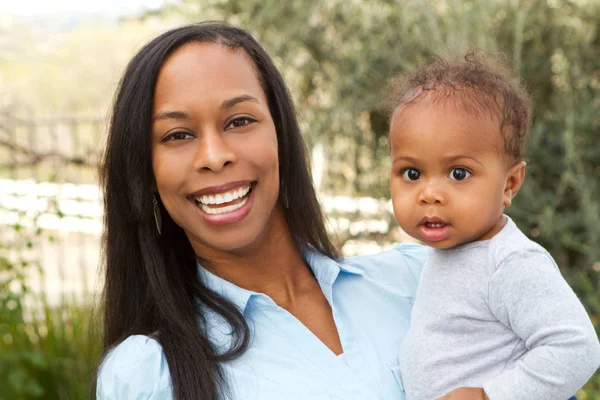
(134, 369)
(403, 262)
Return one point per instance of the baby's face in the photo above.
(448, 177)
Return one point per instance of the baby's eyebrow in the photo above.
(405, 158)
(457, 157)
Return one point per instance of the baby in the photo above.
(492, 309)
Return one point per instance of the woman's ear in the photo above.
(514, 179)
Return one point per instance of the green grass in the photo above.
(52, 356)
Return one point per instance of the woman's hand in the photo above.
(465, 394)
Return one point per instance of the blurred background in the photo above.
(60, 63)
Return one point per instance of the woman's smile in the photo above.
(225, 204)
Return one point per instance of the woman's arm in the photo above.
(135, 370)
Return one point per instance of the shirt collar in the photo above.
(237, 295)
(327, 270)
(324, 268)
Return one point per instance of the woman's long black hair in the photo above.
(151, 280)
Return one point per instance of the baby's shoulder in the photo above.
(136, 368)
(512, 245)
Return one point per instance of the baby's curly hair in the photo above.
(476, 83)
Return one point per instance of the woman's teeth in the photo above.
(223, 210)
(223, 198)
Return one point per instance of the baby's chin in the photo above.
(442, 244)
(449, 243)
(445, 243)
(443, 238)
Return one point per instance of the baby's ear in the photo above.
(514, 179)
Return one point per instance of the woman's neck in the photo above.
(274, 266)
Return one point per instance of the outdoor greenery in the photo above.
(47, 351)
(337, 56)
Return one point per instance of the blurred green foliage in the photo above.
(47, 351)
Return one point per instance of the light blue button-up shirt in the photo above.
(371, 298)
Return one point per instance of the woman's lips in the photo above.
(214, 190)
(220, 213)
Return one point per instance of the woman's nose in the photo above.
(214, 153)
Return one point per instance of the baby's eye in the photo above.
(239, 122)
(178, 135)
(411, 174)
(459, 174)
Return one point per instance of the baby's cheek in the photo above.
(400, 204)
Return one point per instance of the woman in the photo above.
(221, 281)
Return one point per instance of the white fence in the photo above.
(64, 224)
(69, 218)
(64, 207)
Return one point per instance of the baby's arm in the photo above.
(529, 295)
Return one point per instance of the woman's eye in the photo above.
(239, 122)
(411, 174)
(459, 174)
(179, 135)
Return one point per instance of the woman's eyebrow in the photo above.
(224, 105)
(170, 115)
(238, 99)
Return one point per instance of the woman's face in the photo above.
(214, 149)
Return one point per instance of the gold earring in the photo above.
(157, 217)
